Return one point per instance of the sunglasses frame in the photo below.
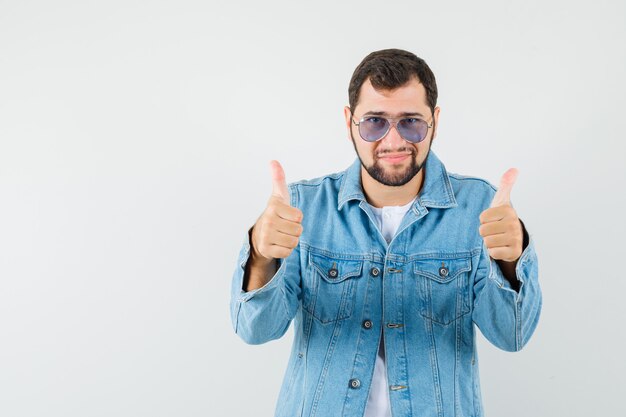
(392, 122)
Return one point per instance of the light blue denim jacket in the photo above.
(343, 285)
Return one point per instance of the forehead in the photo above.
(411, 97)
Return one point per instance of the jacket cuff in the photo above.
(525, 268)
(244, 256)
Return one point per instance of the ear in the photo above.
(435, 121)
(348, 116)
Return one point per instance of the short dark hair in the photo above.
(389, 69)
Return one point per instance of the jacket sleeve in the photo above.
(507, 318)
(265, 313)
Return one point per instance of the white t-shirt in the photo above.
(389, 219)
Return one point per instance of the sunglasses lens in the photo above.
(373, 128)
(413, 130)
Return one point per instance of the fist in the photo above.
(277, 232)
(499, 225)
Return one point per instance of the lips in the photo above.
(395, 157)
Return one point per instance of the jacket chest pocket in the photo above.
(329, 287)
(444, 288)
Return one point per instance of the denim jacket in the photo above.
(344, 284)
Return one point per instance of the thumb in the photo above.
(279, 185)
(503, 195)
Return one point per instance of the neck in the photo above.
(380, 195)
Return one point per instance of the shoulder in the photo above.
(470, 181)
(318, 181)
(313, 188)
(468, 187)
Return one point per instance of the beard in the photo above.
(392, 179)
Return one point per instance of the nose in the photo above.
(392, 139)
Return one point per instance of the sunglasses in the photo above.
(411, 129)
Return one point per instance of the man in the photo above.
(386, 266)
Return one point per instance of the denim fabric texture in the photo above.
(427, 290)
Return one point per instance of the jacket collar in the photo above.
(436, 191)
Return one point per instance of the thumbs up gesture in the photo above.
(277, 232)
(499, 225)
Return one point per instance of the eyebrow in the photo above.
(403, 114)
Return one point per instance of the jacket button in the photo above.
(333, 273)
(443, 271)
(375, 271)
(367, 324)
(355, 383)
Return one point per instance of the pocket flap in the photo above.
(442, 270)
(335, 270)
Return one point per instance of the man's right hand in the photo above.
(276, 233)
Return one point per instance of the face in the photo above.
(391, 160)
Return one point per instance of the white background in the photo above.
(135, 139)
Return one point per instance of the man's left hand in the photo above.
(500, 227)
